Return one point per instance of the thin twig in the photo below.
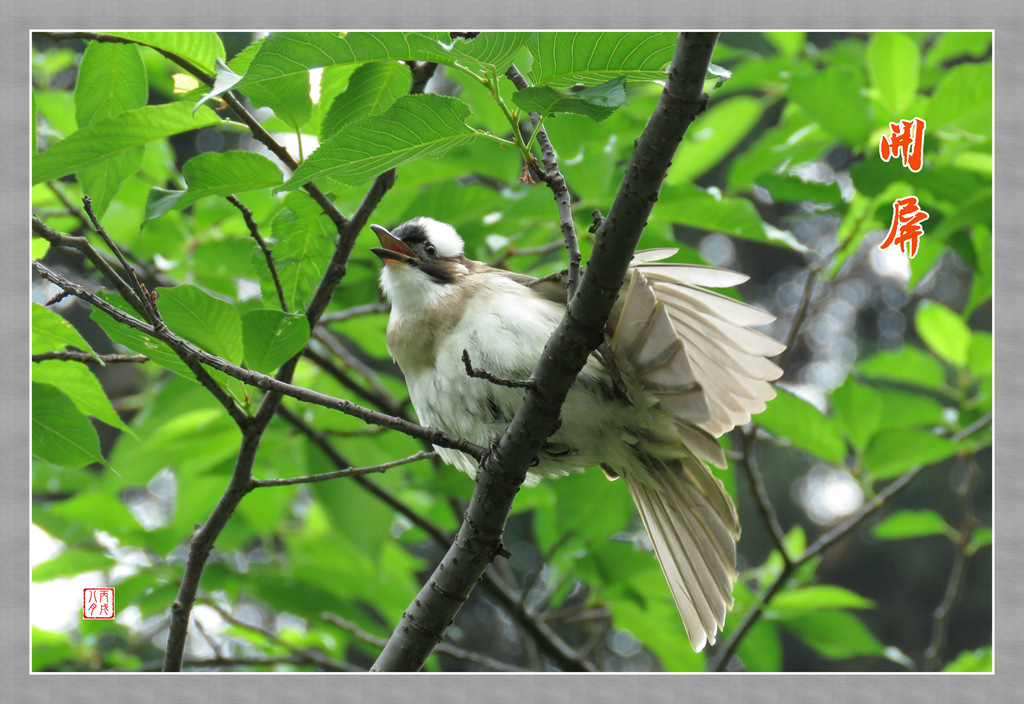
(349, 472)
(365, 309)
(254, 230)
(87, 358)
(487, 376)
(553, 178)
(764, 504)
(381, 395)
(954, 585)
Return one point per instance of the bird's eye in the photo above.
(430, 249)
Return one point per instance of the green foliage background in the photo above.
(779, 178)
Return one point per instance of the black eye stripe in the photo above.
(411, 234)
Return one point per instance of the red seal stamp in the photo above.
(98, 603)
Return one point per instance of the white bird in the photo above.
(679, 367)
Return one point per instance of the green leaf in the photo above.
(493, 50)
(61, 434)
(81, 385)
(199, 48)
(415, 126)
(596, 102)
(793, 189)
(832, 97)
(286, 54)
(50, 332)
(945, 332)
(116, 135)
(761, 649)
(906, 409)
(713, 135)
(305, 240)
(372, 89)
(689, 205)
(97, 512)
(858, 411)
(70, 563)
(222, 174)
(910, 523)
(210, 323)
(791, 417)
(789, 44)
(979, 660)
(907, 365)
(963, 99)
(564, 59)
(271, 338)
(111, 80)
(980, 354)
(979, 539)
(894, 64)
(136, 340)
(818, 597)
(893, 452)
(834, 634)
(952, 45)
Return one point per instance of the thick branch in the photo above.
(580, 332)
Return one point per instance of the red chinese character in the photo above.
(906, 225)
(906, 139)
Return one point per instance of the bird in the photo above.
(679, 367)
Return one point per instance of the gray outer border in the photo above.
(534, 14)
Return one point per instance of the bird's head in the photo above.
(423, 262)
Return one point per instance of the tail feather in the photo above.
(687, 353)
(695, 542)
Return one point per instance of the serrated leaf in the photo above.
(894, 64)
(372, 89)
(963, 99)
(791, 417)
(287, 54)
(208, 322)
(818, 597)
(50, 332)
(305, 239)
(495, 50)
(81, 386)
(945, 332)
(199, 48)
(834, 634)
(909, 523)
(832, 97)
(222, 174)
(596, 102)
(564, 59)
(893, 452)
(70, 563)
(116, 135)
(271, 338)
(61, 434)
(415, 126)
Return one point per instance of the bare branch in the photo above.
(254, 230)
(487, 376)
(87, 358)
(349, 472)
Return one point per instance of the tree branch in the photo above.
(254, 230)
(347, 472)
(582, 329)
(86, 358)
(552, 177)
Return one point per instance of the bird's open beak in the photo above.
(392, 249)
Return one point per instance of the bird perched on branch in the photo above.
(679, 367)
